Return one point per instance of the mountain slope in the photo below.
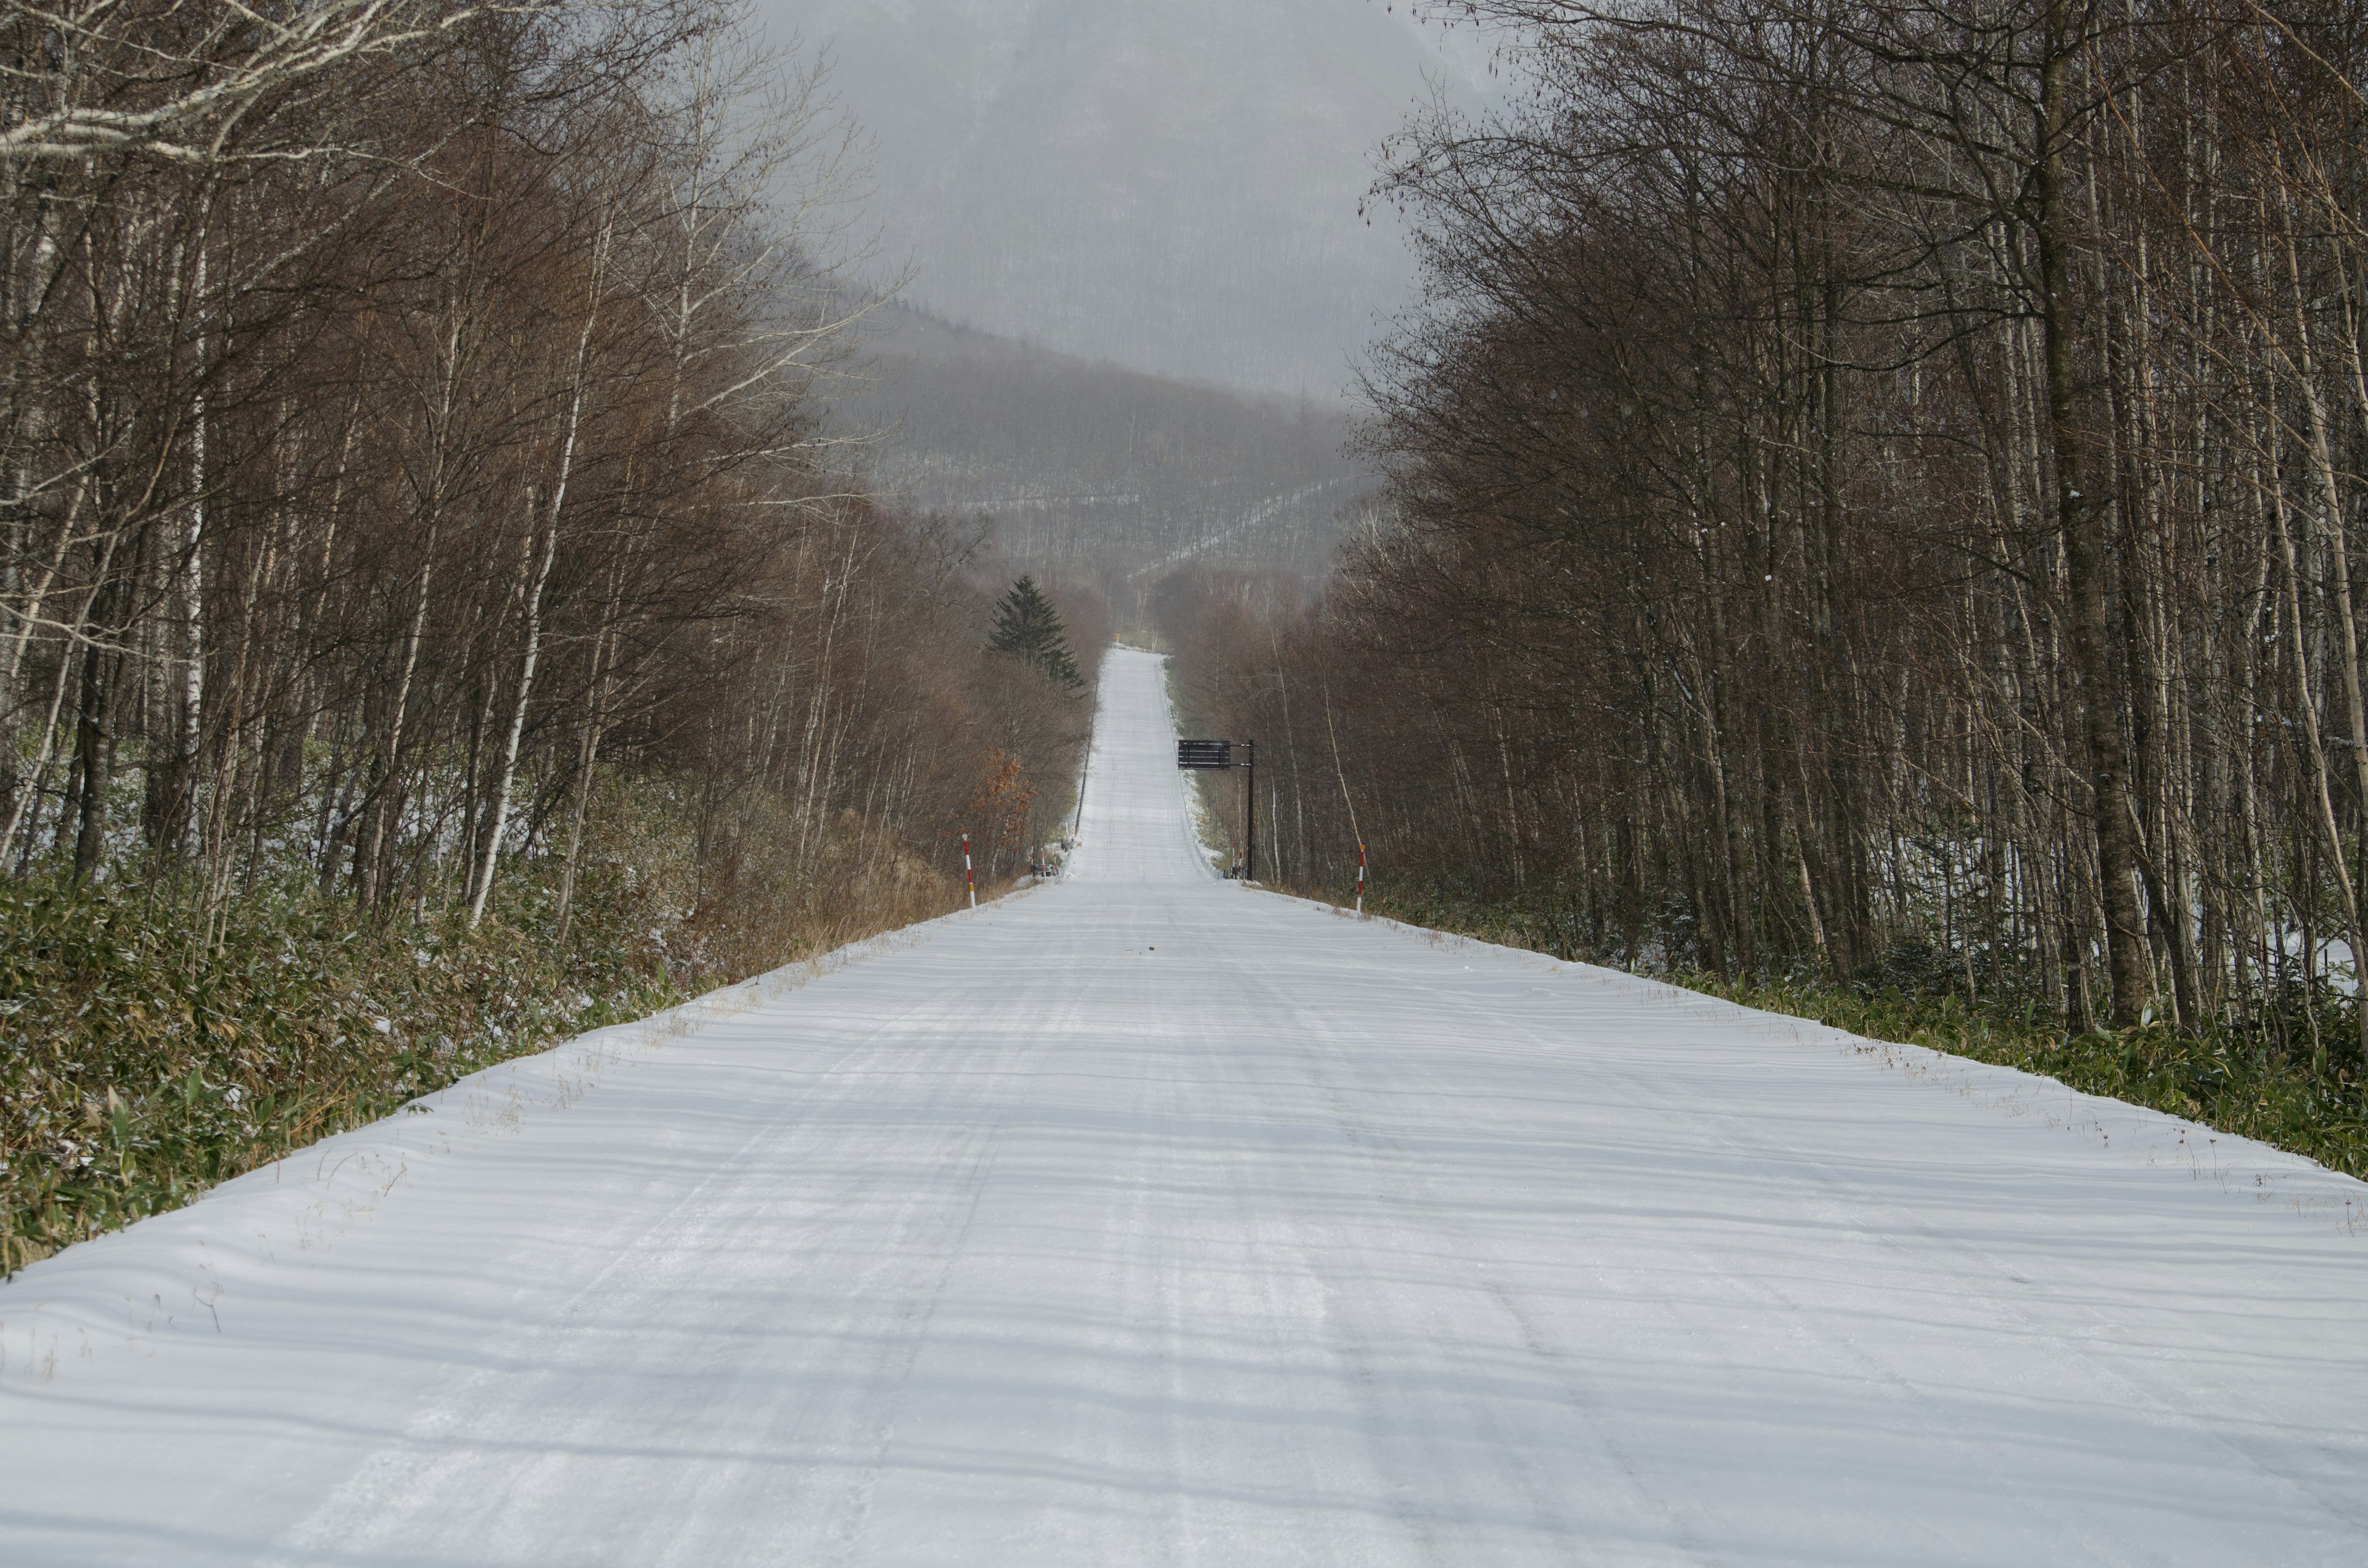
(1087, 465)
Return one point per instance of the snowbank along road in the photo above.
(1150, 1219)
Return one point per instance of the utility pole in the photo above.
(1249, 809)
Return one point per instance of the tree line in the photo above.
(1876, 492)
(412, 416)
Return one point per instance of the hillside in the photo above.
(1091, 466)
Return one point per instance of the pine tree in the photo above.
(1028, 629)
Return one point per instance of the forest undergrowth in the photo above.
(2268, 1083)
(149, 1050)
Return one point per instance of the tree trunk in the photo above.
(2086, 545)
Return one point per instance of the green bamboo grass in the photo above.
(141, 1063)
(2313, 1103)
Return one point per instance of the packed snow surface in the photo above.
(1150, 1219)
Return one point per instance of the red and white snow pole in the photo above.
(1360, 879)
(970, 883)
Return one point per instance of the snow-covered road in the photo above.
(1149, 1219)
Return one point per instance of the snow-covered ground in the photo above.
(1148, 1219)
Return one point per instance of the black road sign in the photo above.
(1205, 754)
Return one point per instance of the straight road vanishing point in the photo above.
(1150, 1219)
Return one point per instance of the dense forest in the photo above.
(1878, 503)
(437, 609)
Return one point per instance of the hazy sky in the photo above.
(1172, 185)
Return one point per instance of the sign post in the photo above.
(970, 883)
(1360, 879)
(1220, 753)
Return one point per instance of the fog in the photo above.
(1172, 186)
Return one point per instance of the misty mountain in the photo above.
(1087, 465)
(1172, 187)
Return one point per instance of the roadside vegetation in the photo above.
(151, 1047)
(148, 1058)
(2310, 1100)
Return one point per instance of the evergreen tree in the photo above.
(1028, 629)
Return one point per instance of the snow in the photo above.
(1146, 1217)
